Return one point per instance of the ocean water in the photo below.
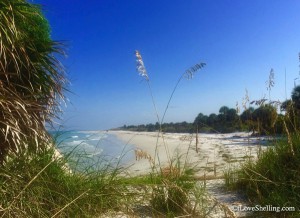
(93, 150)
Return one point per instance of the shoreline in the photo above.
(216, 152)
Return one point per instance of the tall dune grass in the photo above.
(171, 195)
(37, 185)
(274, 179)
(32, 79)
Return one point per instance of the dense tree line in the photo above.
(181, 127)
(226, 121)
(264, 119)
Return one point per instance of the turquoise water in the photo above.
(93, 149)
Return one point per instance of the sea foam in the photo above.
(92, 147)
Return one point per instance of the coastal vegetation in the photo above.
(35, 181)
(274, 178)
(263, 120)
(32, 80)
(37, 184)
(174, 182)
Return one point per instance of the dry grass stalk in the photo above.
(68, 204)
(289, 138)
(186, 138)
(140, 154)
(188, 74)
(215, 170)
(246, 100)
(197, 140)
(229, 213)
(140, 67)
(271, 81)
(237, 107)
(26, 186)
(170, 171)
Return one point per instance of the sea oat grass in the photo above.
(274, 179)
(174, 181)
(36, 185)
(174, 188)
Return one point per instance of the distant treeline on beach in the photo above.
(262, 120)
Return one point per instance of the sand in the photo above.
(216, 152)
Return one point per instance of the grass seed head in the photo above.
(140, 67)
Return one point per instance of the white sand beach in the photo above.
(216, 152)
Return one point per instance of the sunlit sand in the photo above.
(216, 152)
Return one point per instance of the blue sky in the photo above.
(239, 40)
